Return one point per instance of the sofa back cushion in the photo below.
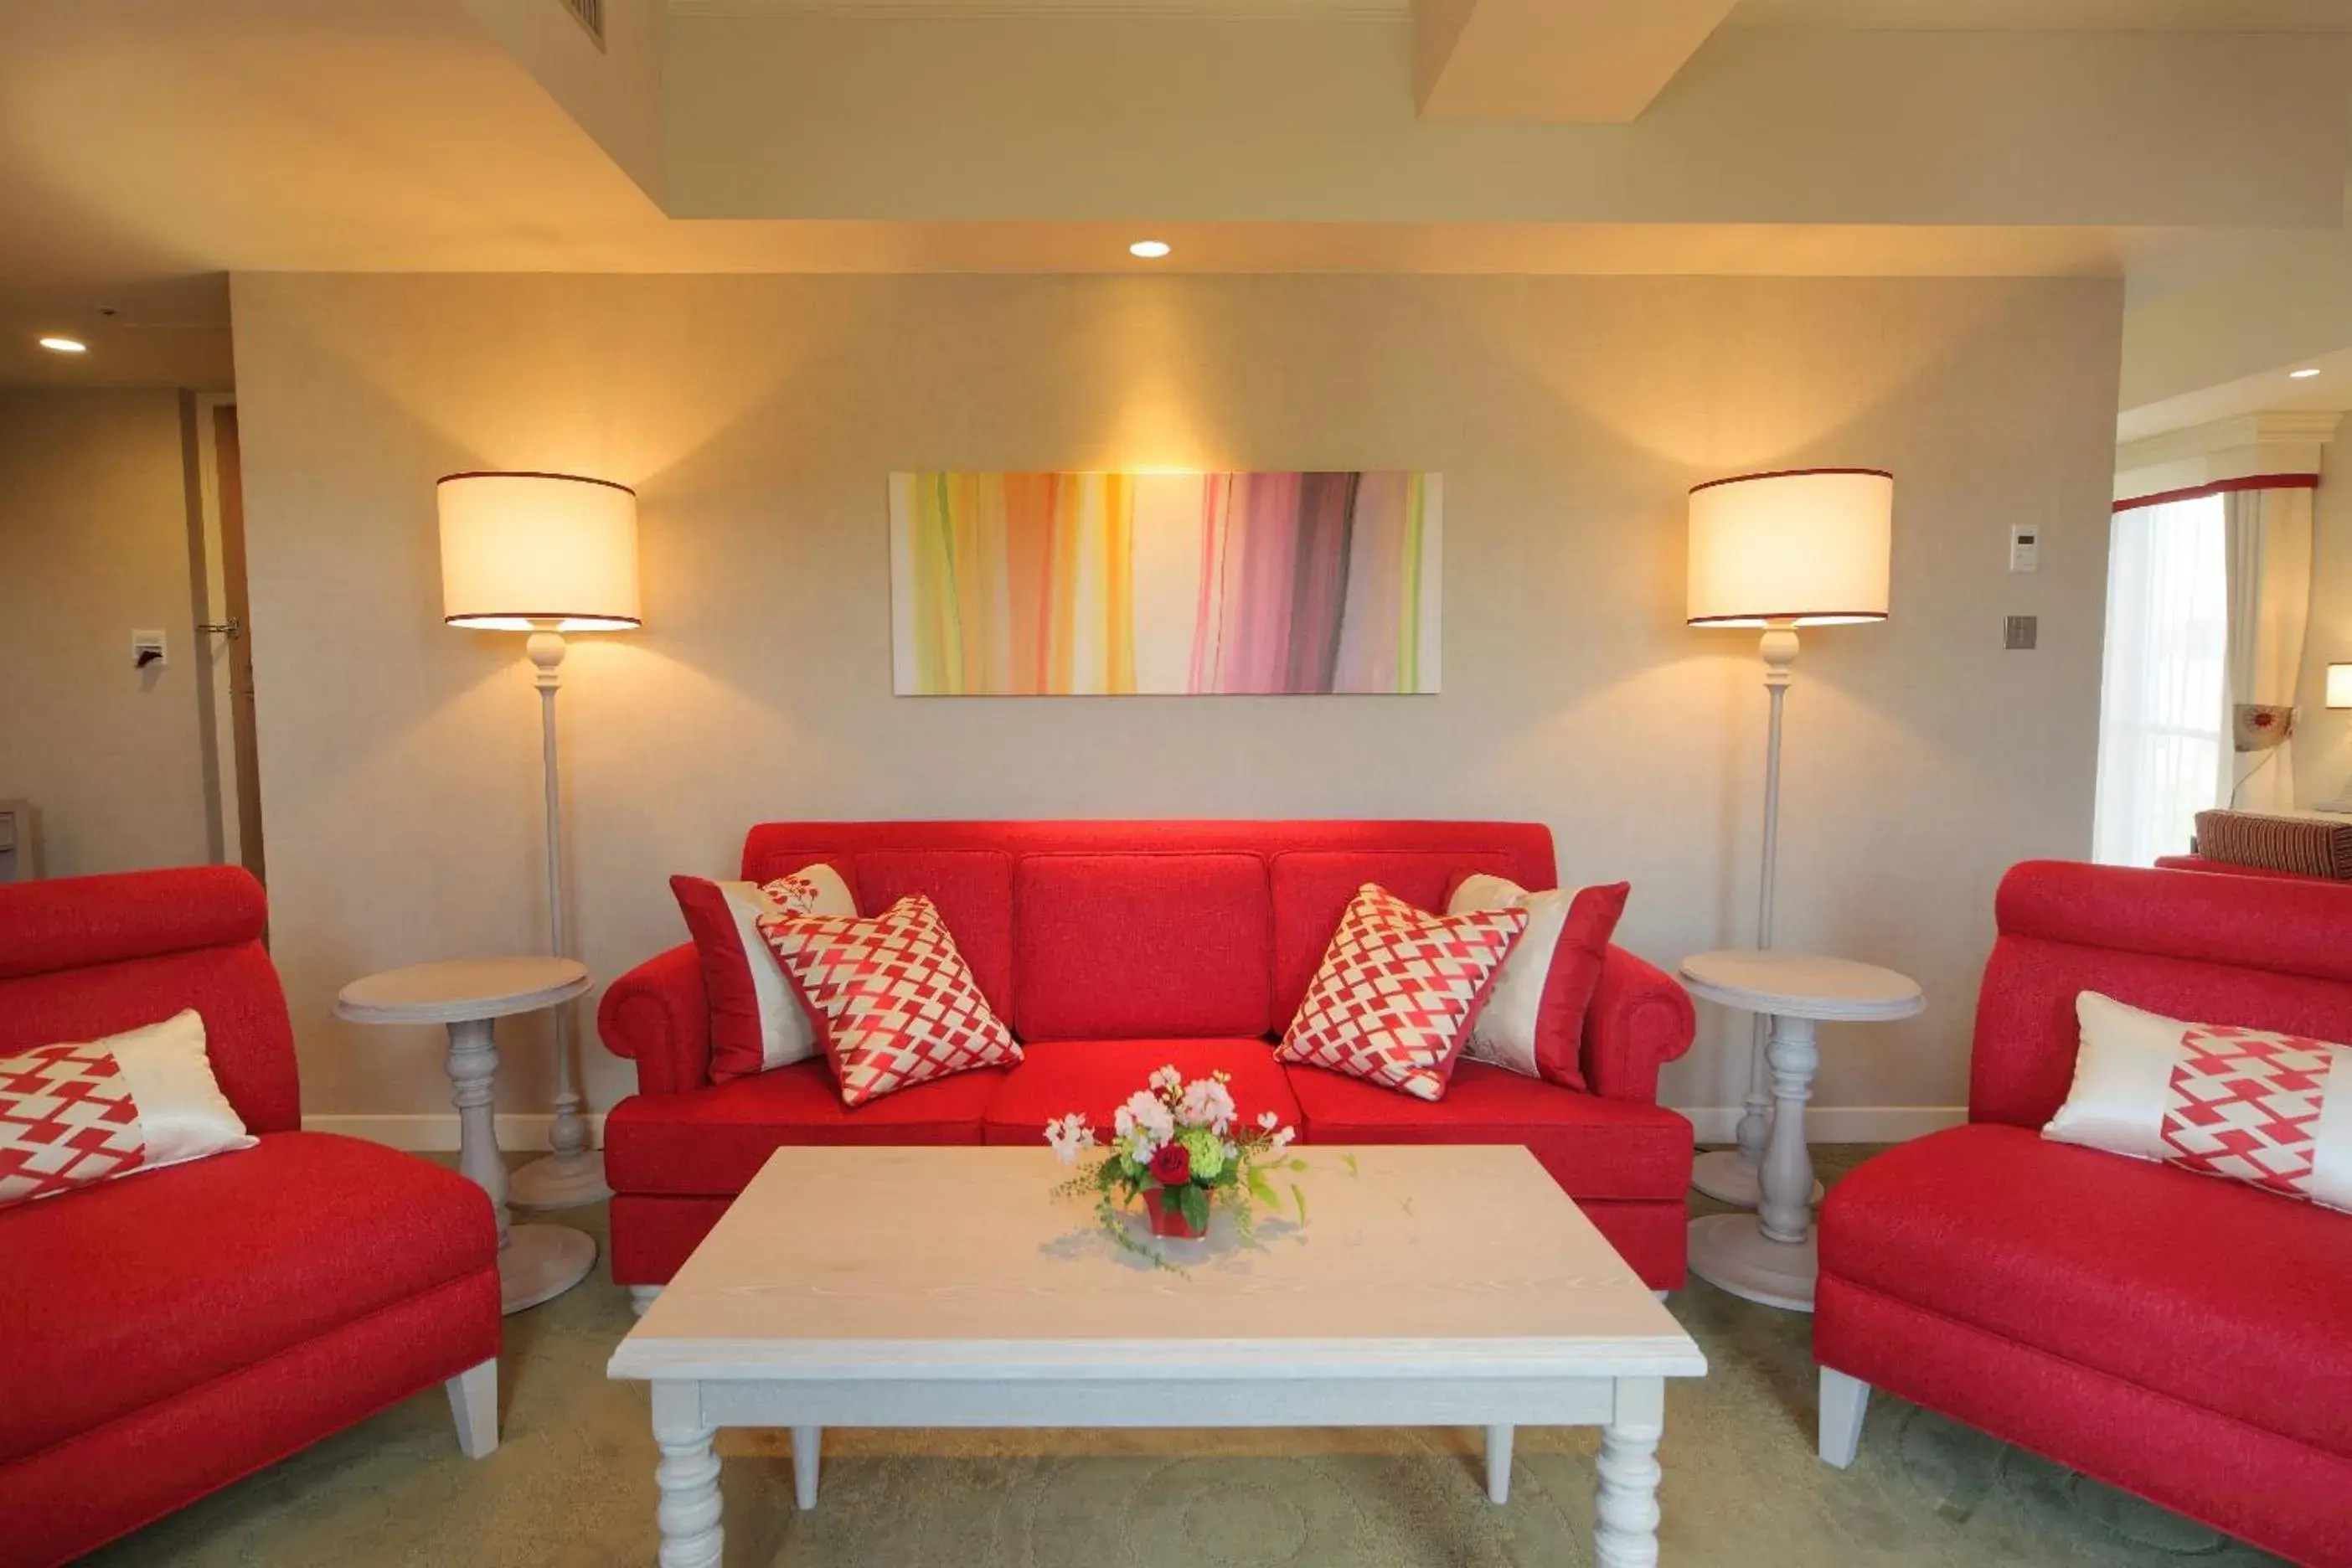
(85, 957)
(2259, 953)
(1143, 929)
(1128, 946)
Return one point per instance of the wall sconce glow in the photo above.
(64, 345)
(1150, 249)
(2305, 374)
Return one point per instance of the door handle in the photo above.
(222, 628)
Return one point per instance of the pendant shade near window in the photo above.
(1812, 546)
(523, 552)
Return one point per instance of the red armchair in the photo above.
(169, 1332)
(2182, 1337)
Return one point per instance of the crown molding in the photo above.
(2273, 427)
(1000, 10)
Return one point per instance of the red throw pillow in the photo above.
(893, 999)
(1394, 999)
(757, 1021)
(1534, 1022)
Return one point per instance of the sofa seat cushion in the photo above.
(711, 1142)
(1094, 1077)
(1594, 1148)
(122, 1295)
(2228, 1297)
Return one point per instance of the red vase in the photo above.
(1168, 1216)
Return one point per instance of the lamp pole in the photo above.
(571, 1173)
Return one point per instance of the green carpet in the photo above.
(573, 1484)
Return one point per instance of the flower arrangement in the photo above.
(1177, 1146)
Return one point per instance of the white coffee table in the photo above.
(536, 1262)
(1771, 1256)
(1432, 1286)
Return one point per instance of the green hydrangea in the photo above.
(1208, 1152)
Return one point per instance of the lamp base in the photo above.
(559, 1182)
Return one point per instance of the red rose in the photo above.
(1173, 1166)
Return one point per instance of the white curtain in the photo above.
(2164, 746)
(2267, 546)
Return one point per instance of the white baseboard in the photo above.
(522, 1131)
(525, 1132)
(1837, 1123)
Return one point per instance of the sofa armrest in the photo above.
(1640, 1020)
(657, 1016)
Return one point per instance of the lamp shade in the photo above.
(524, 552)
(1810, 546)
(2339, 686)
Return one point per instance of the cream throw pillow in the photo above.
(79, 1113)
(2251, 1105)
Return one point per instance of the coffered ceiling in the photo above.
(148, 146)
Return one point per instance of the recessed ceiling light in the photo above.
(64, 345)
(1150, 249)
(2305, 374)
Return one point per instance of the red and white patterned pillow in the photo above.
(756, 1020)
(893, 999)
(82, 1112)
(1398, 992)
(2271, 1109)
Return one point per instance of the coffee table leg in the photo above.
(689, 1478)
(1499, 1464)
(1626, 1535)
(808, 1443)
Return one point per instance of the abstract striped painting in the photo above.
(1092, 585)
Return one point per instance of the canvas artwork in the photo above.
(1101, 583)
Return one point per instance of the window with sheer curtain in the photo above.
(2164, 700)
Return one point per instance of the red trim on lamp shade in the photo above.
(1786, 474)
(1818, 618)
(2221, 487)
(535, 474)
(482, 621)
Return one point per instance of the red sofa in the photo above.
(168, 1332)
(1109, 948)
(2182, 1337)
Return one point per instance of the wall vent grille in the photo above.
(589, 13)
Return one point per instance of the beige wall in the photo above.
(2323, 744)
(94, 543)
(758, 416)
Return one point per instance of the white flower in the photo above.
(1268, 1119)
(1068, 1136)
(1143, 1124)
(1281, 1139)
(1206, 1104)
(1166, 1080)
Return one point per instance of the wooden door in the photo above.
(240, 647)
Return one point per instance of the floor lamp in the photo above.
(546, 554)
(1801, 547)
(2338, 695)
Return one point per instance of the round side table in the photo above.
(1771, 1256)
(536, 1262)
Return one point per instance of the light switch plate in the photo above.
(2024, 547)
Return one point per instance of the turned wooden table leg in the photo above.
(687, 1475)
(1626, 1533)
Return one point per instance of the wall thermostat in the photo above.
(2024, 548)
